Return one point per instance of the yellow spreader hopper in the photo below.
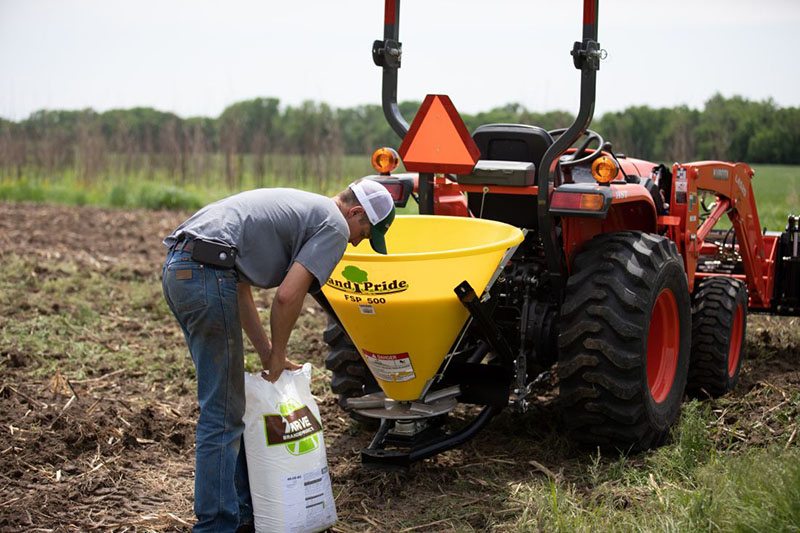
(400, 309)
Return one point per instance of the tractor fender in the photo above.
(626, 207)
(632, 208)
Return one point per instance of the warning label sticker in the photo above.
(390, 367)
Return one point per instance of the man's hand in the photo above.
(276, 365)
(265, 357)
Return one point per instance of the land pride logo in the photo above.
(357, 281)
(295, 426)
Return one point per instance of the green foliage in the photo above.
(692, 444)
(688, 485)
(776, 188)
(27, 190)
(161, 190)
(777, 192)
(518, 114)
(726, 129)
(62, 313)
(115, 157)
(22, 191)
(156, 196)
(759, 491)
(118, 197)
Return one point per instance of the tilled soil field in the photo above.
(97, 403)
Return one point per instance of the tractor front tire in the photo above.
(719, 321)
(624, 343)
(351, 377)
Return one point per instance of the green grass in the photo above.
(57, 312)
(690, 485)
(158, 189)
(126, 193)
(777, 188)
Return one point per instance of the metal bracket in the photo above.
(520, 392)
(587, 53)
(509, 253)
(466, 294)
(388, 53)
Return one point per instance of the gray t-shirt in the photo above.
(273, 228)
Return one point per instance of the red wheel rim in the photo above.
(663, 346)
(736, 341)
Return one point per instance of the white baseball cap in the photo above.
(379, 206)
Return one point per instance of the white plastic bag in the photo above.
(285, 449)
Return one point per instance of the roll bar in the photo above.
(388, 54)
(586, 56)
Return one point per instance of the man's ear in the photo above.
(355, 211)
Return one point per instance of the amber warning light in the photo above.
(385, 160)
(604, 170)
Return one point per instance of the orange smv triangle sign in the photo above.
(438, 140)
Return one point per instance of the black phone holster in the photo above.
(214, 253)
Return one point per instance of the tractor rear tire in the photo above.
(351, 377)
(719, 321)
(624, 343)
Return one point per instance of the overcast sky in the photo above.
(195, 57)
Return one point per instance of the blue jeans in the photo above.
(204, 301)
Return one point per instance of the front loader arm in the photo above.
(732, 183)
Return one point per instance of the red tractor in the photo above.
(622, 283)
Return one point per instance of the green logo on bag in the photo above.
(296, 427)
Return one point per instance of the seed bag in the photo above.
(285, 450)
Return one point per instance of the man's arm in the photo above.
(286, 307)
(251, 323)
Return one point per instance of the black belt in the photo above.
(184, 245)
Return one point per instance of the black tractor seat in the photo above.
(512, 142)
(510, 155)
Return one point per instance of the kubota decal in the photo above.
(741, 186)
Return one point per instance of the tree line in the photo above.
(259, 137)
